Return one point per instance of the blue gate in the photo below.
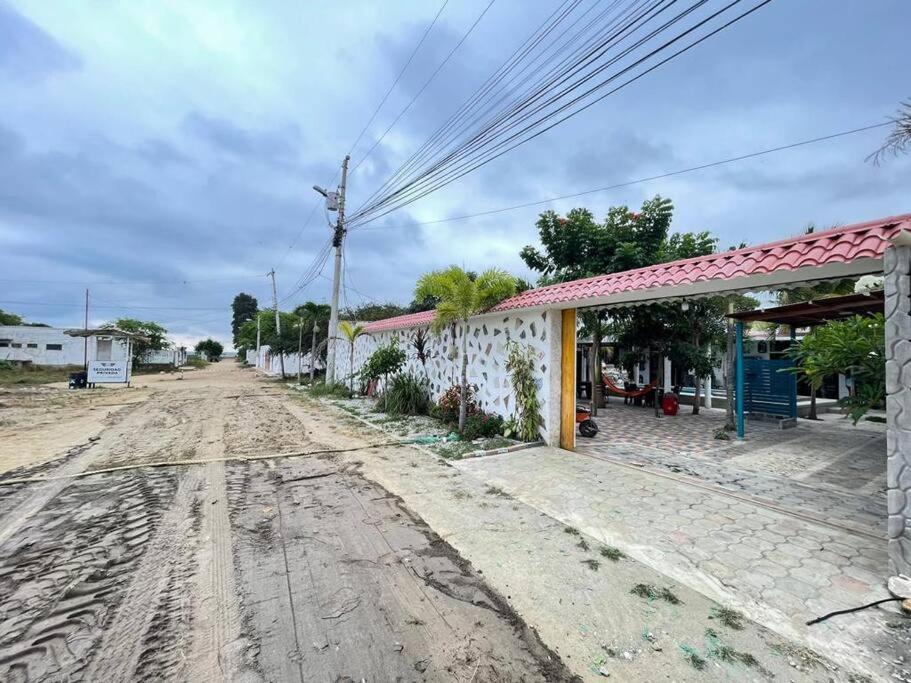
(767, 389)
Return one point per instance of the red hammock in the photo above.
(629, 394)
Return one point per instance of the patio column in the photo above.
(568, 381)
(707, 385)
(897, 285)
(667, 374)
(741, 430)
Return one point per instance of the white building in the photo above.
(52, 346)
(173, 356)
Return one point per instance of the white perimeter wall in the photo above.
(72, 352)
(487, 336)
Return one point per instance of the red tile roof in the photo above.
(840, 245)
(401, 321)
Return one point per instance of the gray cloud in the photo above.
(27, 52)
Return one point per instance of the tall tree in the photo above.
(371, 312)
(152, 336)
(243, 308)
(460, 297)
(578, 246)
(210, 348)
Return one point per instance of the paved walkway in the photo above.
(829, 472)
(779, 568)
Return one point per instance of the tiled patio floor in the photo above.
(774, 564)
(829, 471)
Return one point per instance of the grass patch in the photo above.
(611, 553)
(728, 617)
(879, 419)
(583, 544)
(335, 390)
(459, 494)
(592, 564)
(571, 530)
(694, 658)
(30, 375)
(650, 592)
(496, 491)
(196, 363)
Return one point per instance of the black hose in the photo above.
(853, 609)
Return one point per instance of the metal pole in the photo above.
(257, 338)
(337, 240)
(300, 342)
(278, 323)
(313, 351)
(741, 430)
(85, 339)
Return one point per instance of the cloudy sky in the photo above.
(161, 153)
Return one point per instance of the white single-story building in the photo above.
(53, 346)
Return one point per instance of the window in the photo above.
(32, 346)
(17, 345)
(4, 343)
(54, 347)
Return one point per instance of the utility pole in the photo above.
(337, 240)
(278, 323)
(313, 351)
(300, 343)
(85, 339)
(257, 336)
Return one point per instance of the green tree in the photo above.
(351, 331)
(9, 318)
(210, 348)
(460, 297)
(384, 361)
(578, 246)
(243, 308)
(152, 336)
(372, 312)
(855, 347)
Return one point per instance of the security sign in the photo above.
(107, 371)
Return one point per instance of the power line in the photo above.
(134, 282)
(424, 87)
(125, 307)
(496, 139)
(660, 176)
(398, 78)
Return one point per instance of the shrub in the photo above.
(338, 390)
(520, 363)
(407, 394)
(481, 425)
(448, 405)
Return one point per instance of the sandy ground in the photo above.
(131, 549)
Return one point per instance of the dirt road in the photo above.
(121, 560)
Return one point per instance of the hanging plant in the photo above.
(520, 363)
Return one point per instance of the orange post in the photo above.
(568, 381)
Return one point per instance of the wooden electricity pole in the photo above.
(278, 324)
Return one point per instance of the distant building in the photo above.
(53, 346)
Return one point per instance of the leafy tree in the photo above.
(153, 333)
(210, 348)
(9, 318)
(384, 361)
(461, 297)
(351, 331)
(578, 246)
(855, 347)
(243, 308)
(371, 312)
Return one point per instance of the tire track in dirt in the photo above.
(64, 571)
(219, 650)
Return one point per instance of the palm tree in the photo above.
(899, 138)
(460, 297)
(351, 331)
